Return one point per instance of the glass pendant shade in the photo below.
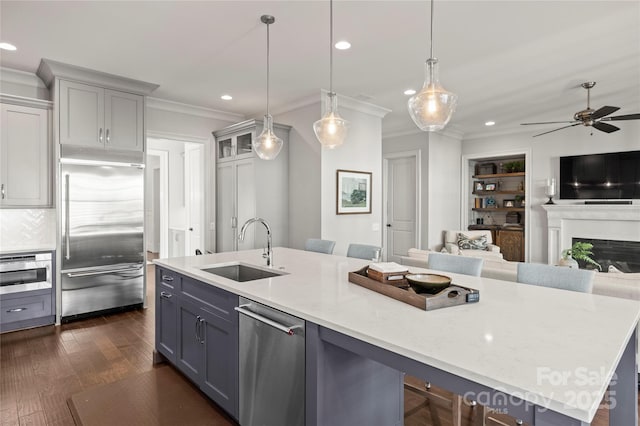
(331, 129)
(431, 108)
(267, 145)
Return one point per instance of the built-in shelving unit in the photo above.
(497, 201)
(498, 209)
(499, 175)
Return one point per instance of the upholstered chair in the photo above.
(319, 246)
(363, 251)
(457, 264)
(556, 277)
(471, 243)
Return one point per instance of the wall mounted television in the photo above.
(609, 176)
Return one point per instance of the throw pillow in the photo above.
(468, 243)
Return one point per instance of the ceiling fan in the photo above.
(590, 117)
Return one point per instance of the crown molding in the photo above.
(155, 134)
(48, 70)
(198, 111)
(356, 105)
(10, 75)
(504, 132)
(452, 132)
(23, 101)
(300, 103)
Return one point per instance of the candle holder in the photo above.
(550, 190)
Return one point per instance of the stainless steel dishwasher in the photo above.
(272, 366)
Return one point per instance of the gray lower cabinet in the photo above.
(197, 331)
(166, 319)
(220, 369)
(26, 309)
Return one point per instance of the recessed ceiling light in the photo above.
(409, 92)
(489, 123)
(7, 46)
(226, 97)
(343, 45)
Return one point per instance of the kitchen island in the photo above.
(544, 355)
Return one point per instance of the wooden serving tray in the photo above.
(384, 277)
(450, 296)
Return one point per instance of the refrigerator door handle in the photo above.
(92, 273)
(67, 237)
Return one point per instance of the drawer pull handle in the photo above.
(17, 310)
(165, 295)
(167, 278)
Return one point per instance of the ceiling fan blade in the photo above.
(550, 122)
(605, 110)
(604, 127)
(555, 130)
(622, 117)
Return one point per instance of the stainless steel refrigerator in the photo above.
(102, 205)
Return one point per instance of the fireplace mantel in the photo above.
(603, 221)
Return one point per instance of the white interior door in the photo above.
(194, 194)
(402, 197)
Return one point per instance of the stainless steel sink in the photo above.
(241, 272)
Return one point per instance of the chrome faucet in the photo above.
(269, 254)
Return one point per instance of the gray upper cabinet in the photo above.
(247, 186)
(25, 157)
(91, 116)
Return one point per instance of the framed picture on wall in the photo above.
(353, 192)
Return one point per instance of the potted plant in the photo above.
(578, 251)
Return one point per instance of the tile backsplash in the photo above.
(27, 229)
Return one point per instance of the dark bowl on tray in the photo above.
(428, 283)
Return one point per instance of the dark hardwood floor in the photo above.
(42, 367)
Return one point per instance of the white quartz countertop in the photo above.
(5, 251)
(555, 348)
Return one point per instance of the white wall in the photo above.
(304, 174)
(312, 174)
(444, 187)
(440, 186)
(362, 151)
(545, 159)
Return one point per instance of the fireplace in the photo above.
(566, 222)
(622, 255)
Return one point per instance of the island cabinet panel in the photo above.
(220, 371)
(346, 384)
(197, 331)
(190, 352)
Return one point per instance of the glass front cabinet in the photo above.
(235, 147)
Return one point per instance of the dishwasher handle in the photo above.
(284, 328)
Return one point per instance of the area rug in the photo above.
(158, 397)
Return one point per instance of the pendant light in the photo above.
(267, 145)
(431, 108)
(331, 129)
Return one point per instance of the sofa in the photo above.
(626, 286)
(451, 244)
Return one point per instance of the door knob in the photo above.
(388, 225)
(190, 229)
